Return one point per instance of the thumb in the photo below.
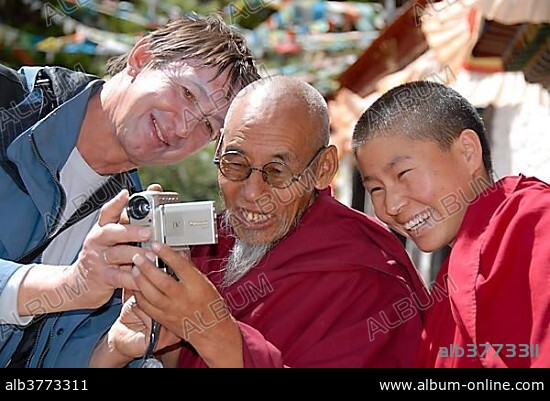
(154, 187)
(111, 211)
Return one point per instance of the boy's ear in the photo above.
(472, 152)
(327, 167)
(138, 57)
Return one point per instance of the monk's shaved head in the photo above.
(282, 96)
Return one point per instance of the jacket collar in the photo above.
(42, 150)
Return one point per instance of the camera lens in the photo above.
(138, 208)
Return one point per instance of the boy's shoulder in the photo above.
(515, 202)
(524, 194)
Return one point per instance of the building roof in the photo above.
(495, 46)
(398, 44)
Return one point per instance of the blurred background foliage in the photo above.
(84, 34)
(194, 178)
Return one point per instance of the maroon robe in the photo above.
(335, 292)
(497, 283)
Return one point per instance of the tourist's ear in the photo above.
(138, 57)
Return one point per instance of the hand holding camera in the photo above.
(104, 263)
(175, 223)
(169, 300)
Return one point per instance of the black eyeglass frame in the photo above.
(294, 178)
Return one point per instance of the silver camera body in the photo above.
(178, 224)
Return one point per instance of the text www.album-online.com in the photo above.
(481, 385)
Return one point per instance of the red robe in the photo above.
(335, 292)
(498, 283)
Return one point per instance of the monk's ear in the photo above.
(471, 151)
(327, 166)
(139, 57)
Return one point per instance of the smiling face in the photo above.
(264, 129)
(264, 214)
(419, 189)
(169, 113)
(162, 115)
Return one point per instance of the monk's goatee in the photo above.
(243, 257)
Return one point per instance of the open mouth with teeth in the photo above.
(158, 131)
(418, 222)
(255, 218)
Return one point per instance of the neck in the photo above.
(97, 142)
(482, 181)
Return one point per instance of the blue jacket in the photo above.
(66, 339)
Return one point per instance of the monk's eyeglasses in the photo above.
(235, 167)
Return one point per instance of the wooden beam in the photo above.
(398, 44)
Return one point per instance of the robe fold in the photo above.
(335, 292)
(494, 288)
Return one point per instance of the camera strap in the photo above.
(106, 192)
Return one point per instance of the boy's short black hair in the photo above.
(422, 110)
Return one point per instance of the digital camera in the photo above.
(178, 224)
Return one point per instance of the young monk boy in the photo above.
(424, 158)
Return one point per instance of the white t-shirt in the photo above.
(79, 181)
